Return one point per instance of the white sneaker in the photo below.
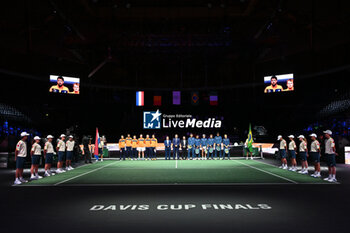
(71, 168)
(332, 180)
(23, 180)
(306, 172)
(281, 166)
(294, 169)
(246, 158)
(46, 174)
(33, 177)
(58, 171)
(285, 168)
(301, 171)
(290, 169)
(251, 158)
(17, 181)
(327, 179)
(102, 160)
(38, 177)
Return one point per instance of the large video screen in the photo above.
(279, 83)
(64, 85)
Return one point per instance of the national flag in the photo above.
(157, 100)
(250, 139)
(97, 142)
(140, 98)
(176, 97)
(194, 98)
(213, 99)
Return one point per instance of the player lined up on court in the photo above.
(194, 147)
(130, 147)
(330, 153)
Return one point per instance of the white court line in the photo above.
(270, 173)
(72, 178)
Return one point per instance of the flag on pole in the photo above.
(176, 97)
(157, 100)
(213, 100)
(194, 98)
(97, 142)
(140, 98)
(250, 139)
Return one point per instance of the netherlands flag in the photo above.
(140, 98)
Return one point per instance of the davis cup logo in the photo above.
(151, 120)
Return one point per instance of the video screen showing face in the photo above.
(64, 85)
(279, 83)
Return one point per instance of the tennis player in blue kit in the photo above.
(204, 143)
(190, 146)
(197, 144)
(210, 143)
(226, 142)
(217, 145)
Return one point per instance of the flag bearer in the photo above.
(20, 156)
(48, 154)
(292, 152)
(226, 143)
(35, 154)
(283, 149)
(315, 155)
(70, 147)
(249, 143)
(330, 156)
(61, 150)
(303, 152)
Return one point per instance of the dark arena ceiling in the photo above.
(182, 43)
(116, 47)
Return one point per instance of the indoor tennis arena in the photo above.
(175, 116)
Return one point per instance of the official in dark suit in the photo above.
(176, 146)
(167, 145)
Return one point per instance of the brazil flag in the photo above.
(250, 140)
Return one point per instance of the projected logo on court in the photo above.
(151, 120)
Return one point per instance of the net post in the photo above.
(261, 152)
